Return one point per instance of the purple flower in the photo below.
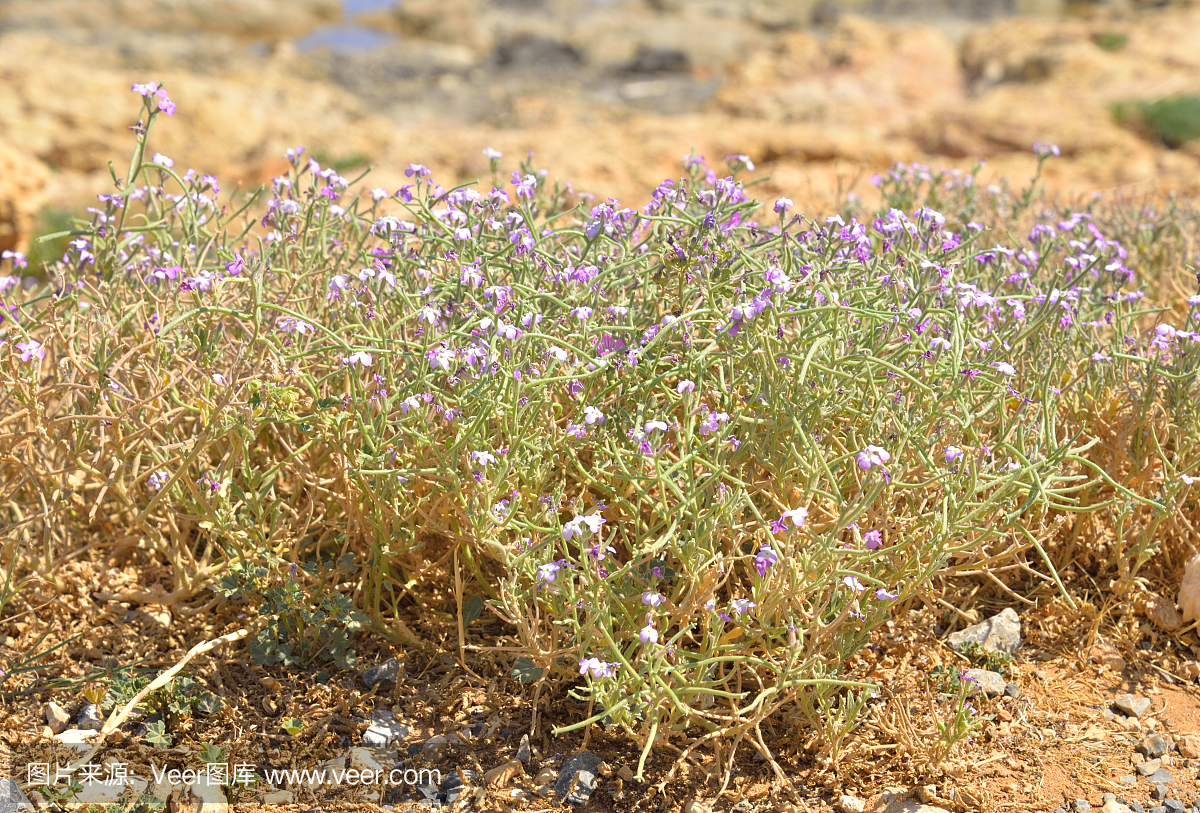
(883, 595)
(648, 634)
(524, 186)
(31, 349)
(147, 89)
(482, 458)
(953, 453)
(158, 480)
(294, 325)
(797, 516)
(360, 357)
(236, 267)
(162, 160)
(872, 540)
(600, 552)
(854, 584)
(597, 667)
(1003, 367)
(741, 606)
(1046, 150)
(712, 422)
(872, 456)
(420, 170)
(686, 385)
(765, 558)
(1187, 479)
(782, 205)
(653, 599)
(970, 373)
(549, 572)
(592, 415)
(492, 155)
(165, 102)
(575, 528)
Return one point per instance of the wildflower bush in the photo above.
(692, 453)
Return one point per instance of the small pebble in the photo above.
(1081, 806)
(1160, 792)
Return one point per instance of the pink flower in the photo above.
(872, 456)
(686, 385)
(648, 635)
(765, 558)
(358, 357)
(872, 540)
(146, 89)
(31, 349)
(164, 103)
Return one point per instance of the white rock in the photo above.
(77, 738)
(198, 797)
(278, 797)
(851, 804)
(104, 792)
(1189, 591)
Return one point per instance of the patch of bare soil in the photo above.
(1052, 738)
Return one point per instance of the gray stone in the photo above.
(386, 673)
(1158, 809)
(91, 718)
(991, 683)
(1127, 779)
(365, 759)
(1149, 767)
(523, 749)
(1013, 690)
(384, 730)
(1160, 793)
(1132, 705)
(1155, 744)
(1108, 797)
(1174, 806)
(1081, 806)
(12, 798)
(435, 747)
(577, 778)
(1161, 777)
(1136, 807)
(1000, 633)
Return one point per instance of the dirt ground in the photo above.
(1051, 743)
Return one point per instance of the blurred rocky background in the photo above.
(608, 95)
